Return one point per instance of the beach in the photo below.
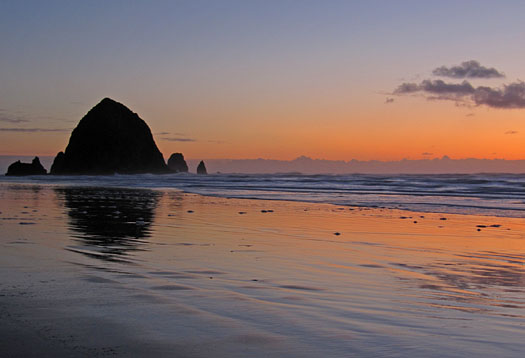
(97, 271)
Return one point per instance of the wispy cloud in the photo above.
(511, 132)
(11, 119)
(34, 130)
(468, 69)
(426, 154)
(178, 139)
(389, 100)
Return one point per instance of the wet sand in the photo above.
(123, 272)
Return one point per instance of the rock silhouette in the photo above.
(177, 164)
(110, 139)
(19, 169)
(201, 168)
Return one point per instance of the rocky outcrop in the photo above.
(110, 139)
(19, 169)
(201, 168)
(177, 164)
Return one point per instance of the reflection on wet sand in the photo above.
(481, 281)
(274, 281)
(110, 223)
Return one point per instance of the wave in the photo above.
(479, 194)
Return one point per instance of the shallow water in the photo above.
(475, 194)
(205, 276)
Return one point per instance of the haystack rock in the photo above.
(18, 168)
(177, 164)
(201, 168)
(110, 139)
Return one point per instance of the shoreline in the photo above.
(226, 196)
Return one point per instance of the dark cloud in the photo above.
(510, 96)
(511, 132)
(34, 130)
(162, 133)
(437, 87)
(178, 139)
(389, 100)
(407, 87)
(440, 87)
(468, 69)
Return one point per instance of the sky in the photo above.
(337, 80)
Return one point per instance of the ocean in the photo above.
(474, 194)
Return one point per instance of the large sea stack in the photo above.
(177, 164)
(110, 139)
(19, 169)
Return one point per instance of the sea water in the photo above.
(478, 194)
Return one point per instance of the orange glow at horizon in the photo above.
(344, 129)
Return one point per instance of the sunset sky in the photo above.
(335, 80)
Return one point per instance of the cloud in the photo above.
(437, 87)
(468, 69)
(470, 115)
(7, 119)
(509, 96)
(25, 130)
(511, 132)
(427, 153)
(178, 139)
(389, 100)
(407, 87)
(162, 133)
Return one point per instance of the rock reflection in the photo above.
(109, 223)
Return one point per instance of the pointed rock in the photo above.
(201, 168)
(177, 164)
(110, 139)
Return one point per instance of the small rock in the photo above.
(201, 168)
